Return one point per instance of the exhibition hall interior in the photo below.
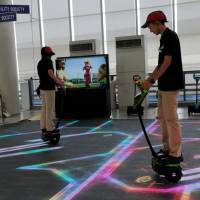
(99, 99)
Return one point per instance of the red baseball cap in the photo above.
(47, 51)
(154, 16)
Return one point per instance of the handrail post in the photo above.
(184, 90)
(31, 92)
(1, 102)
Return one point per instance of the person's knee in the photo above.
(171, 119)
(171, 116)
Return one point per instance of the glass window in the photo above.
(86, 7)
(26, 17)
(189, 31)
(120, 21)
(155, 4)
(118, 5)
(28, 39)
(56, 26)
(87, 21)
(55, 9)
(188, 14)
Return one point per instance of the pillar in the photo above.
(8, 66)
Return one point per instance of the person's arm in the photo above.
(168, 51)
(57, 80)
(166, 63)
(153, 74)
(157, 73)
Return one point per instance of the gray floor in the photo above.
(96, 159)
(149, 113)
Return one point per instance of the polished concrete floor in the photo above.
(149, 113)
(96, 159)
(101, 159)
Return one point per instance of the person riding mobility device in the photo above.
(171, 171)
(47, 84)
(54, 137)
(51, 137)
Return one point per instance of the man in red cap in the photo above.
(47, 91)
(169, 74)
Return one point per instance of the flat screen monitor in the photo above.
(84, 72)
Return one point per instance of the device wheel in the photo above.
(153, 164)
(54, 139)
(156, 166)
(44, 137)
(173, 176)
(158, 169)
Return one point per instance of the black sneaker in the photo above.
(170, 159)
(45, 135)
(162, 152)
(181, 158)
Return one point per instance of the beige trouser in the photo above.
(48, 108)
(170, 128)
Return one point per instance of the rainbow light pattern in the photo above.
(114, 159)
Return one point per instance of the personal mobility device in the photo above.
(52, 138)
(171, 171)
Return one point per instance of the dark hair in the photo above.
(57, 63)
(103, 66)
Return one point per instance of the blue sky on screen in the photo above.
(74, 66)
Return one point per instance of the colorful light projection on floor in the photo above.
(91, 131)
(20, 150)
(184, 191)
(40, 146)
(36, 148)
(62, 174)
(119, 154)
(181, 192)
(114, 159)
(16, 133)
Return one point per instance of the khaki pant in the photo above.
(170, 128)
(48, 109)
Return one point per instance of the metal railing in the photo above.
(1, 104)
(189, 89)
(32, 85)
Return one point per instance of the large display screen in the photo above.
(84, 71)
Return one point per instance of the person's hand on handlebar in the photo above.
(146, 85)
